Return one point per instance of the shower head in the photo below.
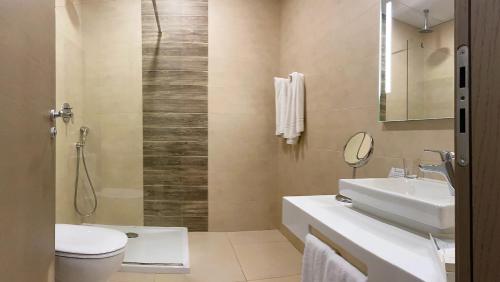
(426, 28)
(84, 131)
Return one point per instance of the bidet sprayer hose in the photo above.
(80, 149)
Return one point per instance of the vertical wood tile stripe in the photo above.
(175, 121)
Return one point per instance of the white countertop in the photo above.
(391, 253)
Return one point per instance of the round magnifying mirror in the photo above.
(358, 149)
(357, 152)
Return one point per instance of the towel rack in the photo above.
(354, 261)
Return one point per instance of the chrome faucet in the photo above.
(445, 168)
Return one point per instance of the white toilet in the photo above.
(88, 253)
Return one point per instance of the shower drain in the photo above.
(132, 235)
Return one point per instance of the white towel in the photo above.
(321, 264)
(281, 86)
(294, 112)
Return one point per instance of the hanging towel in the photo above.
(281, 86)
(321, 264)
(294, 109)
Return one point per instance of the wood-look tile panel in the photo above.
(175, 134)
(174, 164)
(153, 46)
(165, 221)
(176, 8)
(175, 106)
(172, 21)
(176, 177)
(198, 92)
(194, 208)
(186, 193)
(175, 148)
(166, 77)
(183, 63)
(195, 223)
(175, 120)
(181, 34)
(163, 208)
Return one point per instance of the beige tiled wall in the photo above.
(113, 107)
(428, 62)
(243, 58)
(335, 44)
(99, 59)
(69, 88)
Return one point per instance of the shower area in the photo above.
(134, 155)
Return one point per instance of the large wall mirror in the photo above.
(416, 60)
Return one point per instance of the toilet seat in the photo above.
(88, 242)
(80, 256)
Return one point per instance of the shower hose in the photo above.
(80, 151)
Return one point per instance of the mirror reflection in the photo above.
(416, 60)
(358, 149)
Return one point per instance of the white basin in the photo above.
(421, 204)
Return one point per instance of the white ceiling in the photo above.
(411, 11)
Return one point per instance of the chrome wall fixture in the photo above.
(65, 113)
(156, 16)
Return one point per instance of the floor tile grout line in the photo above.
(236, 255)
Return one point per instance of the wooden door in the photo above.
(27, 93)
(485, 146)
(478, 185)
(463, 194)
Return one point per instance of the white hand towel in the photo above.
(321, 264)
(294, 113)
(281, 86)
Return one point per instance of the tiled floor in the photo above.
(258, 256)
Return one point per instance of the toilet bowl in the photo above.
(87, 253)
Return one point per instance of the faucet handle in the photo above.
(446, 156)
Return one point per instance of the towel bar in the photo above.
(361, 266)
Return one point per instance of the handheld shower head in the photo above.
(84, 131)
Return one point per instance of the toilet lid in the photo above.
(88, 240)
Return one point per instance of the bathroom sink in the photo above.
(422, 204)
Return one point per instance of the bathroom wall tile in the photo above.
(185, 193)
(177, 177)
(165, 221)
(175, 81)
(163, 208)
(69, 88)
(175, 120)
(176, 21)
(153, 45)
(176, 134)
(191, 163)
(184, 63)
(119, 207)
(175, 148)
(195, 92)
(174, 77)
(161, 192)
(243, 53)
(186, 8)
(194, 208)
(170, 105)
(195, 223)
